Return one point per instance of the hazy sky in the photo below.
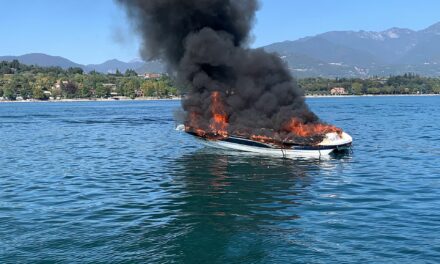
(92, 31)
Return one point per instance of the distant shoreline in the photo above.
(91, 100)
(370, 95)
(179, 98)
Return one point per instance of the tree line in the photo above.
(20, 81)
(402, 84)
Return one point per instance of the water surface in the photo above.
(100, 182)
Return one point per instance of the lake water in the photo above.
(101, 182)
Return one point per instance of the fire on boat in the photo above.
(332, 143)
(295, 138)
(234, 96)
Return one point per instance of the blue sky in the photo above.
(92, 31)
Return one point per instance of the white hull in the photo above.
(275, 152)
(331, 143)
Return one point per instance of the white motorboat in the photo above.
(332, 142)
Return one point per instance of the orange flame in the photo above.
(193, 125)
(218, 126)
(219, 121)
(308, 130)
(262, 139)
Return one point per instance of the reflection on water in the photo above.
(231, 207)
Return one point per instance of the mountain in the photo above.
(109, 66)
(113, 65)
(434, 29)
(363, 53)
(43, 60)
(152, 66)
(331, 54)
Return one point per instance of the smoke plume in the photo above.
(205, 45)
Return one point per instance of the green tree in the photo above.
(38, 93)
(130, 88)
(9, 91)
(373, 90)
(436, 88)
(147, 88)
(118, 73)
(388, 89)
(15, 64)
(24, 88)
(69, 89)
(84, 91)
(102, 91)
(130, 73)
(75, 70)
(356, 88)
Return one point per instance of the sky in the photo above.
(93, 31)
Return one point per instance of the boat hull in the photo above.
(319, 151)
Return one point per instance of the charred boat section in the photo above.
(294, 137)
(328, 143)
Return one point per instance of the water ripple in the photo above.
(114, 182)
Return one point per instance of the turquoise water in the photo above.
(101, 182)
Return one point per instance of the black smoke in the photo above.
(205, 45)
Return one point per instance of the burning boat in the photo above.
(295, 139)
(235, 96)
(332, 142)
